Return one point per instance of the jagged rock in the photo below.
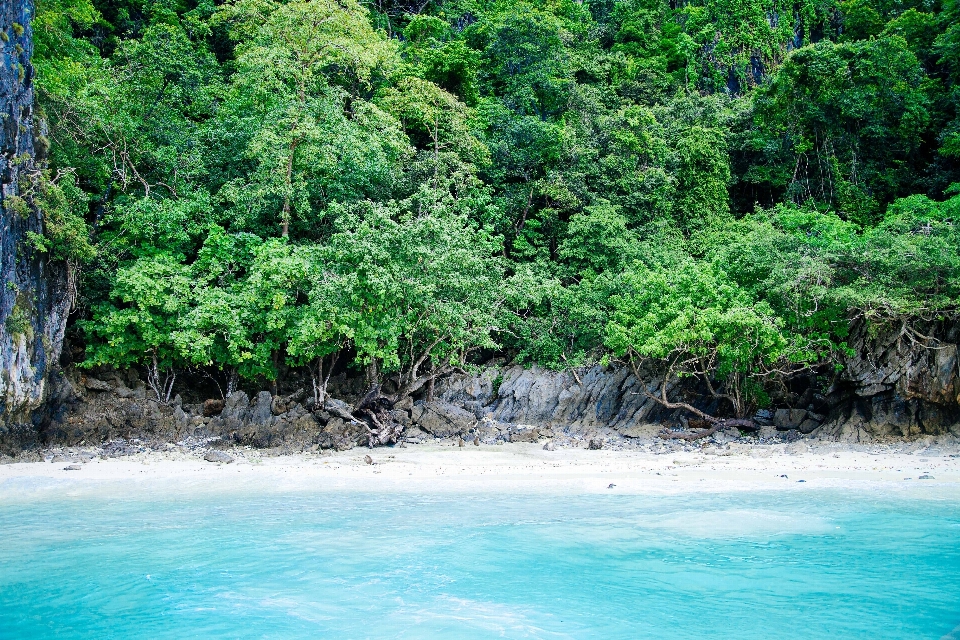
(218, 456)
(262, 411)
(254, 424)
(603, 398)
(341, 435)
(212, 407)
(894, 359)
(183, 421)
(443, 419)
(903, 385)
(96, 385)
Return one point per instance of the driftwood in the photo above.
(709, 431)
(373, 412)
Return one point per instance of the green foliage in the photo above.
(694, 317)
(262, 184)
(62, 205)
(843, 123)
(420, 290)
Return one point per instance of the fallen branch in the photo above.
(704, 433)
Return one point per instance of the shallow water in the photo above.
(357, 565)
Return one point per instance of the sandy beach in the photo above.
(505, 468)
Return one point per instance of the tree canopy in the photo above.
(257, 187)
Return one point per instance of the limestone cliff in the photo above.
(903, 381)
(35, 293)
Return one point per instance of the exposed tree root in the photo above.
(373, 412)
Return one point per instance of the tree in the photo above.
(245, 300)
(422, 292)
(843, 123)
(436, 119)
(142, 321)
(694, 321)
(300, 66)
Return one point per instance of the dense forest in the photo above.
(254, 189)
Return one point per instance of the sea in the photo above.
(179, 563)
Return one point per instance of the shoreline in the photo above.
(503, 469)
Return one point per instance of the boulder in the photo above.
(413, 435)
(261, 413)
(341, 435)
(443, 419)
(786, 419)
(763, 417)
(218, 456)
(807, 426)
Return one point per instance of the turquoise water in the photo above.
(353, 565)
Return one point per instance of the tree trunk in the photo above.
(231, 381)
(715, 423)
(285, 216)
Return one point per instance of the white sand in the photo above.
(504, 469)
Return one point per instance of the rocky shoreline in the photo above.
(114, 417)
(893, 391)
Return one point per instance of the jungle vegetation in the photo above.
(717, 188)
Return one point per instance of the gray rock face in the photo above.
(443, 419)
(37, 292)
(902, 386)
(102, 416)
(603, 398)
(894, 387)
(253, 423)
(893, 359)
